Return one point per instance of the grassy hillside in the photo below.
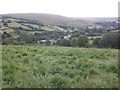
(49, 19)
(32, 23)
(13, 26)
(100, 19)
(43, 66)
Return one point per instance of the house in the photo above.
(67, 37)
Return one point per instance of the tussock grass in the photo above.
(53, 67)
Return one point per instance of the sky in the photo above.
(70, 8)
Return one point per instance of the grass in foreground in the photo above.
(53, 67)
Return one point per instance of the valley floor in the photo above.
(53, 67)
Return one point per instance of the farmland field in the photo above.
(54, 66)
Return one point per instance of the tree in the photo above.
(96, 42)
(10, 41)
(5, 24)
(74, 42)
(20, 28)
(26, 37)
(110, 40)
(6, 35)
(82, 41)
(64, 42)
(9, 21)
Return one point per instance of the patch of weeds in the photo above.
(19, 56)
(55, 70)
(41, 70)
(26, 61)
(58, 82)
(112, 68)
(24, 54)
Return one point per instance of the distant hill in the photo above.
(34, 27)
(99, 19)
(50, 19)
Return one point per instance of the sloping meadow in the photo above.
(59, 67)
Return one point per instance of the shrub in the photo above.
(41, 70)
(96, 42)
(82, 41)
(110, 40)
(74, 42)
(58, 82)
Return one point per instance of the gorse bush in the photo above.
(58, 82)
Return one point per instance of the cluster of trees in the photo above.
(109, 23)
(50, 35)
(109, 40)
(81, 41)
(7, 39)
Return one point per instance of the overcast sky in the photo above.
(71, 8)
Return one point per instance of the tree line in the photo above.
(109, 40)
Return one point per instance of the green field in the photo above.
(93, 37)
(15, 24)
(90, 37)
(54, 66)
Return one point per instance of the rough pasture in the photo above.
(50, 66)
